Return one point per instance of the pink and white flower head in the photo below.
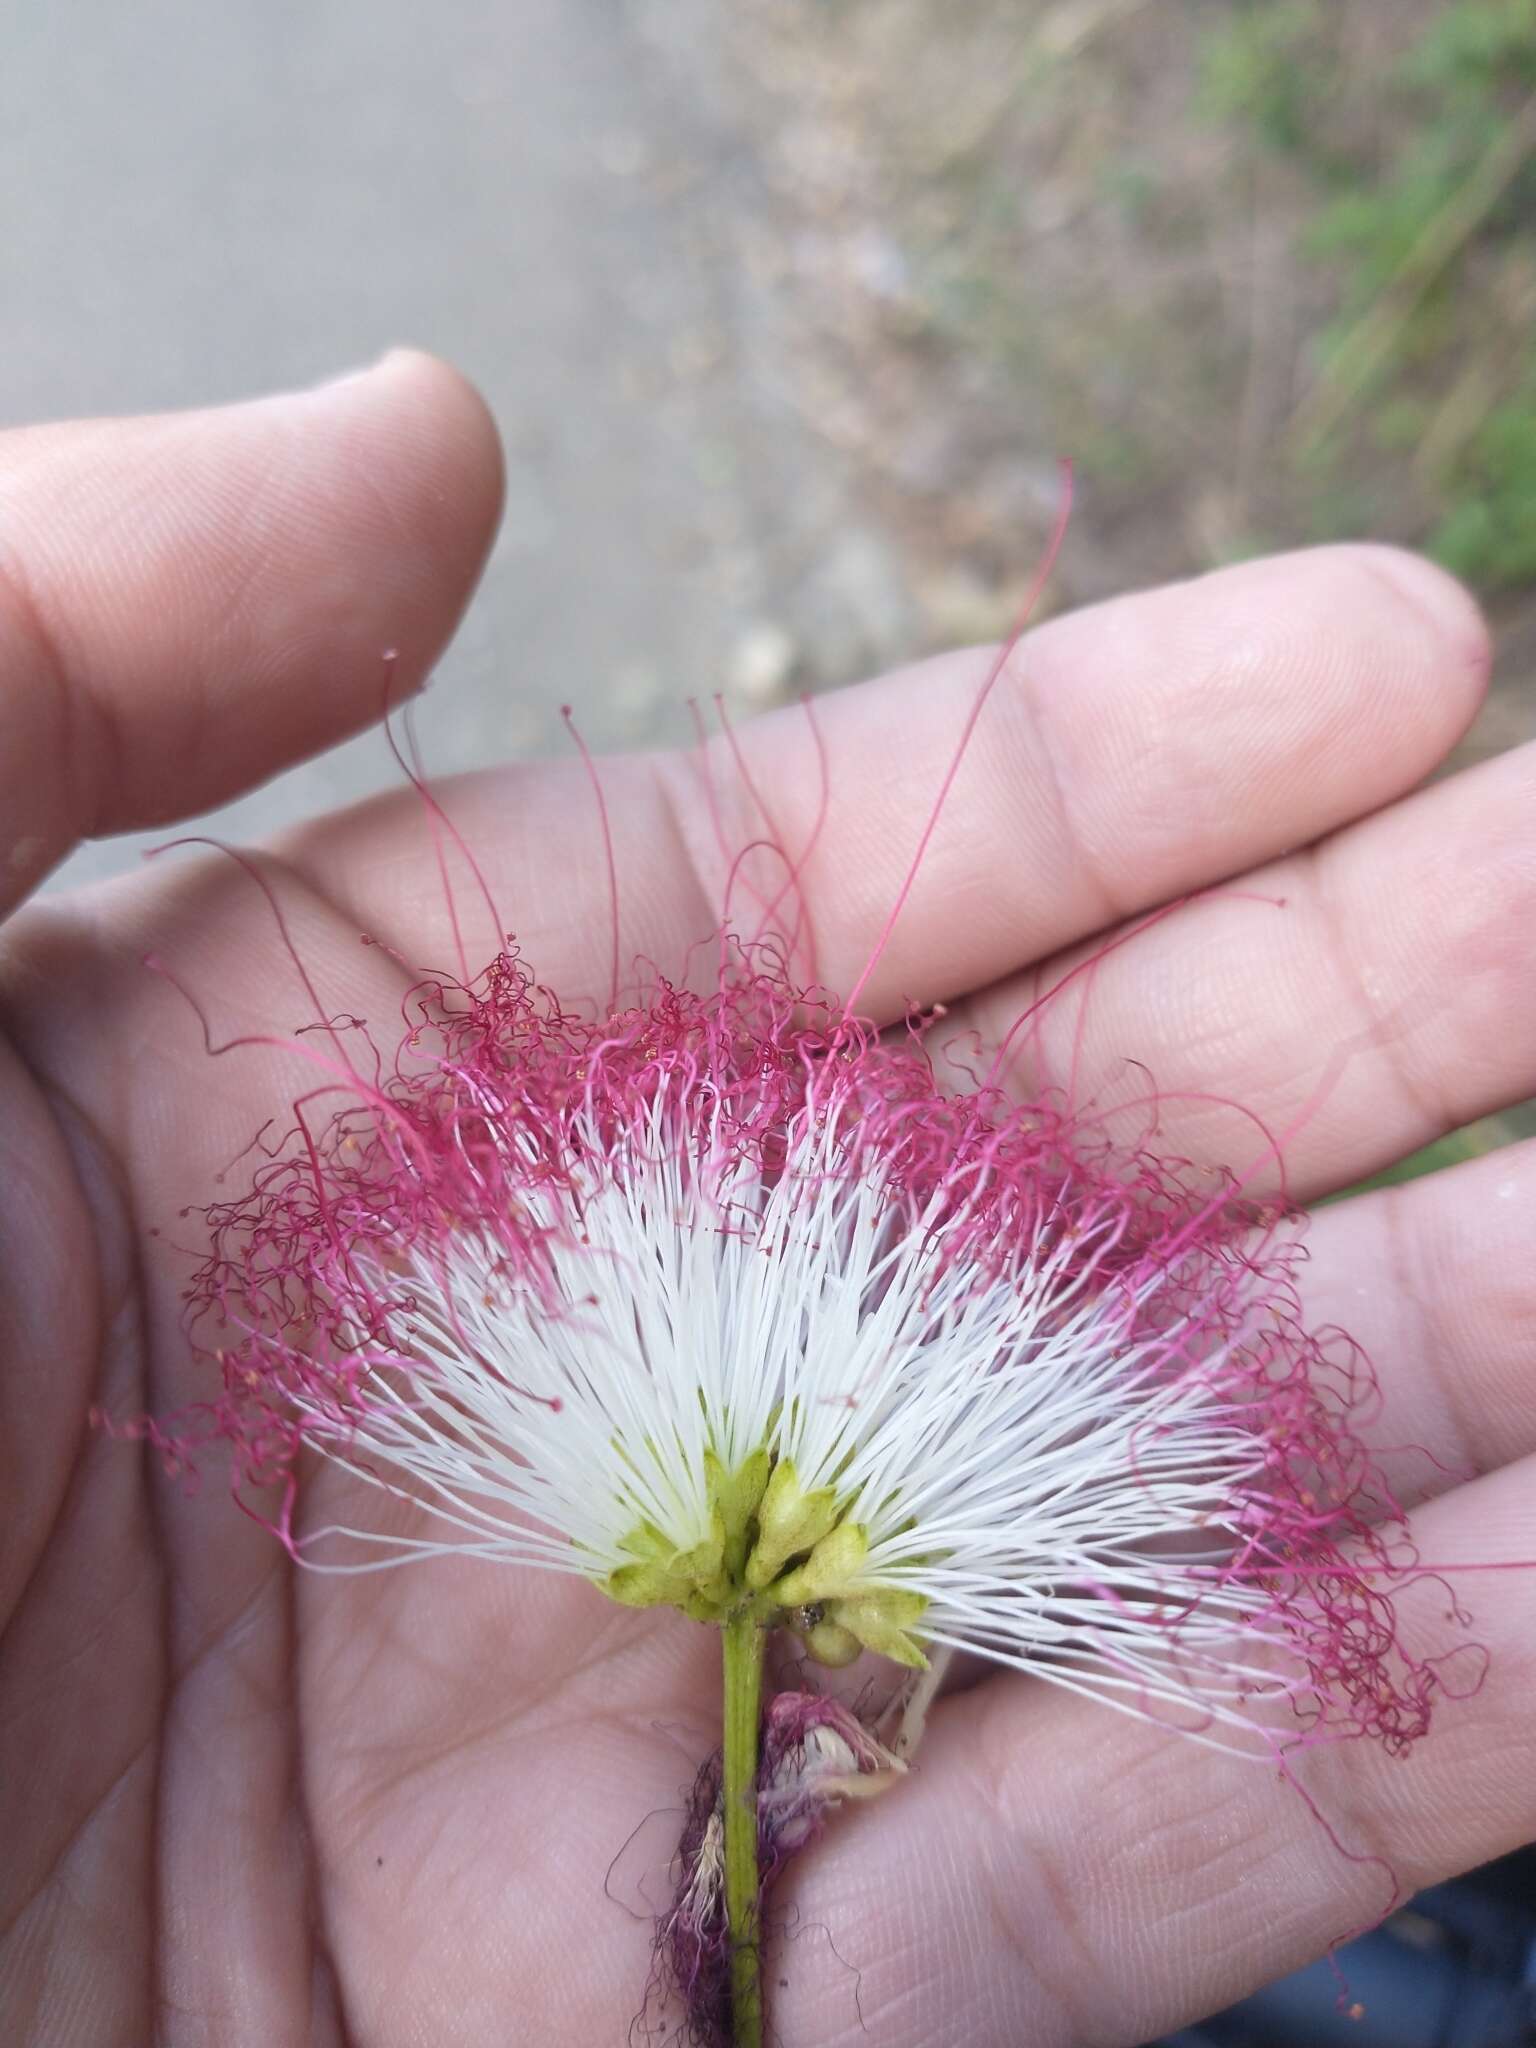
(724, 1301)
(721, 1301)
(722, 1298)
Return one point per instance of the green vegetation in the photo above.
(1425, 378)
(1454, 1149)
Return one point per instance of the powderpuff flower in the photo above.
(722, 1302)
(726, 1303)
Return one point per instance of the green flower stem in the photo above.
(743, 1638)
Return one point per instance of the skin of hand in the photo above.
(247, 1804)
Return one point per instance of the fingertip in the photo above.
(196, 600)
(1390, 653)
(1447, 609)
(450, 410)
(424, 438)
(378, 495)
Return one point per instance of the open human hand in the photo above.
(243, 1803)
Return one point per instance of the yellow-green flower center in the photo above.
(780, 1554)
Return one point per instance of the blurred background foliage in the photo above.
(1264, 267)
(1425, 375)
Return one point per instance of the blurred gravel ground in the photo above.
(201, 203)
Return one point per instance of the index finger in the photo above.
(1131, 751)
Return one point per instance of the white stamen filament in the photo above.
(1026, 1447)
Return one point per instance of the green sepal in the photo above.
(664, 1576)
(880, 1619)
(704, 1565)
(789, 1521)
(648, 1543)
(701, 1606)
(829, 1570)
(641, 1585)
(736, 1497)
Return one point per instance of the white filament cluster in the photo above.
(1018, 1454)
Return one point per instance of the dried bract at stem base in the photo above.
(814, 1755)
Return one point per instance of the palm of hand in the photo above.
(256, 1804)
(392, 1798)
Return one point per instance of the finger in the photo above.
(1361, 998)
(537, 834)
(115, 998)
(1436, 1280)
(1103, 1882)
(189, 603)
(1132, 750)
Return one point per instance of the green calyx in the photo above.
(664, 1576)
(882, 1620)
(789, 1521)
(781, 1555)
(738, 1499)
